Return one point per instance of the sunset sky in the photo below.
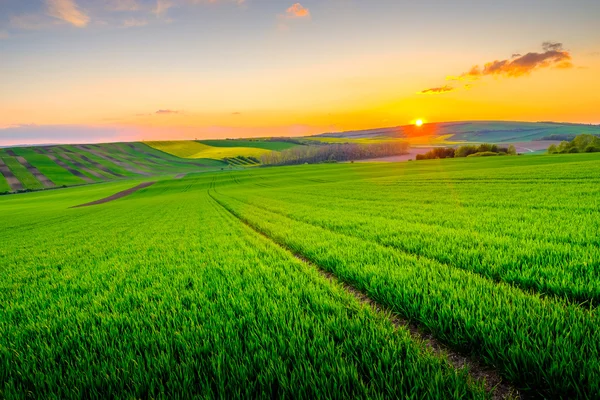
(91, 70)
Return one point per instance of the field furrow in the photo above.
(530, 339)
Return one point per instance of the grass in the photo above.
(197, 150)
(56, 174)
(22, 174)
(188, 302)
(172, 292)
(4, 187)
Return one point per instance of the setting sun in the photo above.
(419, 122)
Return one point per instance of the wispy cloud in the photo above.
(134, 22)
(67, 10)
(124, 5)
(437, 90)
(166, 112)
(162, 6)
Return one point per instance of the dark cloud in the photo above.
(437, 90)
(550, 46)
(553, 56)
(515, 55)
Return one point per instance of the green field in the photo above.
(227, 283)
(72, 165)
(256, 143)
(193, 149)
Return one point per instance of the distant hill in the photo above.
(474, 131)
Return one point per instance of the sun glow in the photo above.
(419, 122)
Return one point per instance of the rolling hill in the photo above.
(469, 131)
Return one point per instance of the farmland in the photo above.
(47, 167)
(291, 281)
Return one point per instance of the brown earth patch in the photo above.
(494, 384)
(117, 195)
(71, 170)
(124, 165)
(35, 172)
(81, 166)
(12, 180)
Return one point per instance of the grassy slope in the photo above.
(259, 144)
(22, 174)
(4, 187)
(214, 308)
(192, 149)
(49, 168)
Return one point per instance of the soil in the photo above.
(81, 166)
(71, 170)
(12, 180)
(35, 172)
(113, 160)
(117, 195)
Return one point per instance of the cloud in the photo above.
(162, 6)
(515, 55)
(297, 11)
(236, 113)
(437, 90)
(134, 22)
(553, 56)
(124, 5)
(166, 112)
(67, 10)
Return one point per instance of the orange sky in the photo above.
(248, 68)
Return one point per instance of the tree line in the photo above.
(334, 153)
(583, 143)
(481, 150)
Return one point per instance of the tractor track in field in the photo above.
(498, 388)
(584, 302)
(47, 183)
(14, 183)
(118, 195)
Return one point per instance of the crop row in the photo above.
(542, 344)
(165, 294)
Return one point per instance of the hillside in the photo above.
(45, 167)
(469, 131)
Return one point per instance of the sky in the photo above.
(92, 70)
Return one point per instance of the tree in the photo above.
(512, 150)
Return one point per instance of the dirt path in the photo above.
(494, 383)
(12, 180)
(180, 176)
(117, 195)
(71, 170)
(33, 170)
(124, 165)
